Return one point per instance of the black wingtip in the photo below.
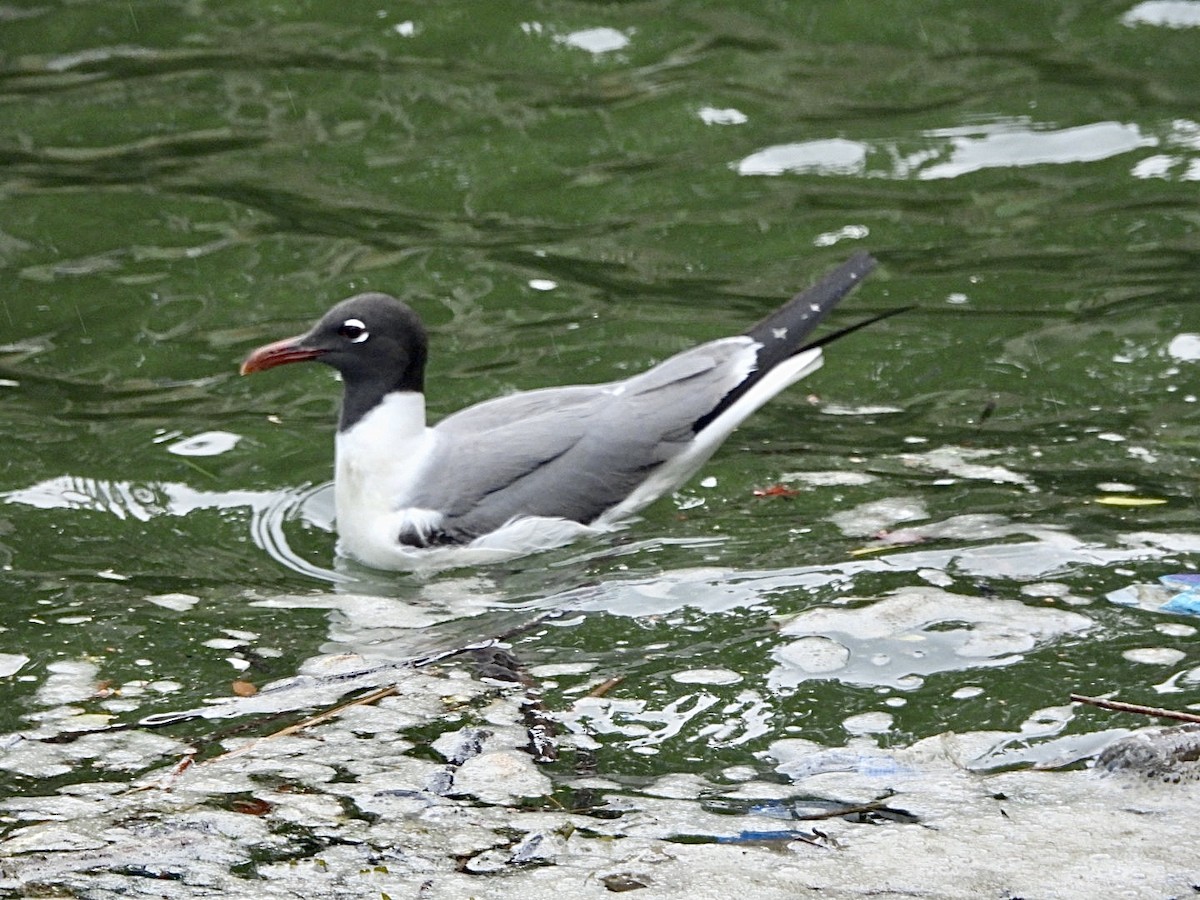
(800, 315)
(850, 329)
(784, 332)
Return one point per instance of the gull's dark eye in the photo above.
(354, 331)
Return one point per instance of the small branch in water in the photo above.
(199, 468)
(503, 665)
(605, 686)
(167, 781)
(1119, 706)
(318, 719)
(873, 806)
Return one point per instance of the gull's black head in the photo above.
(376, 342)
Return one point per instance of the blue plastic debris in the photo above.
(753, 837)
(1188, 600)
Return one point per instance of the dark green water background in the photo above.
(181, 181)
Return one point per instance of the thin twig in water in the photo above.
(318, 719)
(539, 725)
(862, 809)
(167, 781)
(605, 686)
(1119, 706)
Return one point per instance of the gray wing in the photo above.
(574, 452)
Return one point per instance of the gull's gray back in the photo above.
(576, 451)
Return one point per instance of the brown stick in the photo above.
(605, 686)
(873, 806)
(1119, 706)
(318, 719)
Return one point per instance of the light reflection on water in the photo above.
(853, 636)
(269, 510)
(962, 149)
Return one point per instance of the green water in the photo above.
(183, 181)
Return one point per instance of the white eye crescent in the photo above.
(354, 331)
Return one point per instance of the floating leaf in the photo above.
(1131, 501)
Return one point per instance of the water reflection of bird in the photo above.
(534, 469)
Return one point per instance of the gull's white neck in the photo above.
(379, 460)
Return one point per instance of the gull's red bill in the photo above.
(289, 350)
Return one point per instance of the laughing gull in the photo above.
(534, 469)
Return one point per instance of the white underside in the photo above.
(378, 463)
(519, 537)
(371, 489)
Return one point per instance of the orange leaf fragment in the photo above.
(776, 490)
